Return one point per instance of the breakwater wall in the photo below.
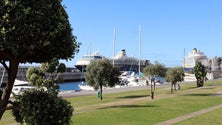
(71, 74)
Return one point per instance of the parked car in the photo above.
(158, 80)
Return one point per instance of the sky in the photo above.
(168, 28)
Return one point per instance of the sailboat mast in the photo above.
(139, 50)
(184, 58)
(114, 41)
(90, 48)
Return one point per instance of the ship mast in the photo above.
(184, 61)
(139, 49)
(114, 41)
(90, 53)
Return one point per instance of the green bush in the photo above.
(42, 108)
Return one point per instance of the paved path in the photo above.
(191, 115)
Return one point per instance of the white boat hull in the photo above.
(86, 87)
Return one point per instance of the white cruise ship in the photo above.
(121, 60)
(190, 61)
(193, 57)
(86, 60)
(126, 63)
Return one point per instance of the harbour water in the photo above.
(69, 86)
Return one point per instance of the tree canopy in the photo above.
(155, 69)
(175, 75)
(37, 76)
(101, 73)
(32, 31)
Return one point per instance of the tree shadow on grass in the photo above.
(134, 96)
(191, 87)
(196, 94)
(129, 106)
(215, 85)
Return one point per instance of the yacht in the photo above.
(20, 87)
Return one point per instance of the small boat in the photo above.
(86, 87)
(21, 86)
(19, 90)
(129, 78)
(21, 83)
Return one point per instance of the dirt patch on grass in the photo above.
(218, 94)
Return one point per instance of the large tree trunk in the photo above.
(12, 73)
(153, 83)
(101, 92)
(152, 95)
(173, 86)
(200, 83)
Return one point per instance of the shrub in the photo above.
(42, 108)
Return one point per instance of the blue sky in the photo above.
(168, 27)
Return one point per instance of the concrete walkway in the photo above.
(191, 115)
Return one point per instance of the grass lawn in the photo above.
(211, 118)
(136, 107)
(146, 113)
(7, 118)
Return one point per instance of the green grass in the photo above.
(189, 99)
(89, 100)
(7, 118)
(170, 108)
(122, 115)
(211, 118)
(147, 113)
(165, 106)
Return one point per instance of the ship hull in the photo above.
(81, 68)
